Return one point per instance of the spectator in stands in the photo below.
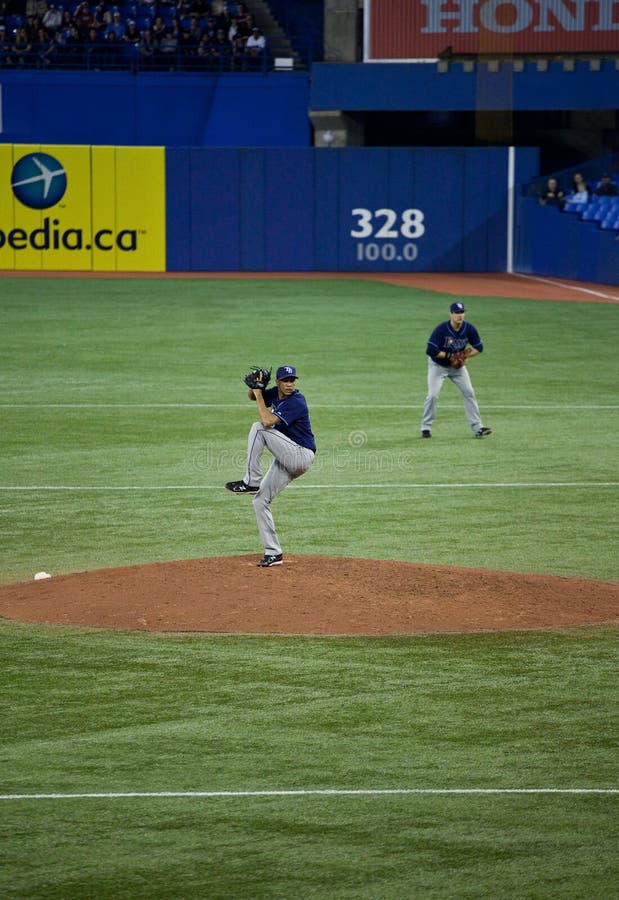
(101, 17)
(67, 23)
(52, 18)
(20, 48)
(132, 34)
(33, 25)
(110, 51)
(48, 46)
(577, 179)
(255, 47)
(605, 187)
(3, 43)
(552, 195)
(147, 48)
(92, 41)
(246, 25)
(237, 52)
(84, 18)
(580, 196)
(168, 44)
(36, 8)
(222, 49)
(74, 38)
(209, 27)
(205, 50)
(116, 27)
(42, 38)
(193, 35)
(158, 29)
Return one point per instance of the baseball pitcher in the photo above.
(285, 430)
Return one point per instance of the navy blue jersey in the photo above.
(294, 417)
(444, 337)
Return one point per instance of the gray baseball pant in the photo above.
(462, 380)
(290, 461)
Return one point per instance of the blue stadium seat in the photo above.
(610, 223)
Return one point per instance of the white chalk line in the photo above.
(363, 485)
(568, 287)
(542, 407)
(327, 792)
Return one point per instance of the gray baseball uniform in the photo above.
(448, 338)
(286, 432)
(462, 380)
(291, 460)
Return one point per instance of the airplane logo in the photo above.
(39, 180)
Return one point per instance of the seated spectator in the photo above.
(552, 195)
(255, 46)
(101, 17)
(147, 48)
(132, 34)
(51, 47)
(158, 29)
(52, 19)
(36, 8)
(42, 38)
(580, 196)
(74, 42)
(605, 187)
(84, 18)
(116, 27)
(20, 49)
(221, 48)
(33, 25)
(189, 41)
(168, 43)
(67, 23)
(577, 179)
(111, 50)
(92, 41)
(238, 52)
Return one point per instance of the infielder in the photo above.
(285, 430)
(449, 348)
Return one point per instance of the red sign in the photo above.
(422, 29)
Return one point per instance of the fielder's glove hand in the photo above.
(458, 359)
(257, 377)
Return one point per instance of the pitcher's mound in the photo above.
(310, 595)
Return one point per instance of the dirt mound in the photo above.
(310, 595)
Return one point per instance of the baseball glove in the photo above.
(458, 359)
(257, 377)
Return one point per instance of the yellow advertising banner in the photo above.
(82, 208)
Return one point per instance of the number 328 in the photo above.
(411, 223)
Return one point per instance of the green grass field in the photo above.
(123, 413)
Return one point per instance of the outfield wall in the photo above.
(144, 209)
(558, 244)
(305, 209)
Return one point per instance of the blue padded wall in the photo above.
(352, 209)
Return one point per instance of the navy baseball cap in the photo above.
(457, 307)
(286, 372)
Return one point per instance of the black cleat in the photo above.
(426, 434)
(483, 432)
(241, 487)
(271, 560)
